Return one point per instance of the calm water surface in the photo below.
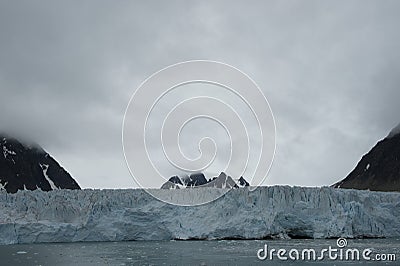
(229, 252)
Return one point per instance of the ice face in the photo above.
(117, 215)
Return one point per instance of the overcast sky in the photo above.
(330, 70)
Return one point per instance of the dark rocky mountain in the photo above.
(222, 181)
(242, 182)
(195, 180)
(199, 180)
(173, 182)
(29, 167)
(379, 169)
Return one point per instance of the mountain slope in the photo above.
(379, 169)
(29, 167)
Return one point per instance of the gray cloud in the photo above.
(329, 70)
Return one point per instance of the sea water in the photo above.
(218, 252)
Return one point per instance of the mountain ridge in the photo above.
(379, 169)
(26, 166)
(198, 180)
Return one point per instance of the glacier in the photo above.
(132, 214)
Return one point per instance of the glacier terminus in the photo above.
(132, 214)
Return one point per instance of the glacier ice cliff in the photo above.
(132, 214)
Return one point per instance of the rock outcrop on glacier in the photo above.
(379, 169)
(222, 181)
(267, 212)
(29, 167)
(194, 180)
(242, 182)
(173, 183)
(198, 180)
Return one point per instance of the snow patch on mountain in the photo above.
(132, 214)
(3, 186)
(7, 152)
(45, 167)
